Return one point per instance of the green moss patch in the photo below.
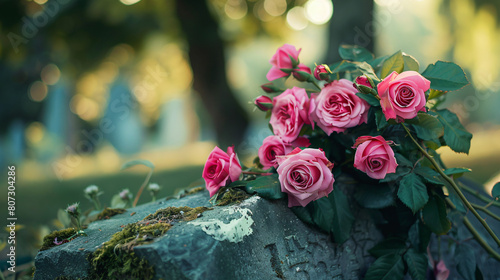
(48, 240)
(116, 258)
(232, 196)
(110, 212)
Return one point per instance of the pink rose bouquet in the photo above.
(312, 168)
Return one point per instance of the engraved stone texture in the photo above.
(257, 239)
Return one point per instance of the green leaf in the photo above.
(458, 172)
(131, 163)
(64, 218)
(413, 192)
(303, 213)
(445, 76)
(416, 263)
(495, 192)
(435, 94)
(388, 267)
(429, 175)
(394, 63)
(323, 214)
(455, 135)
(466, 261)
(435, 217)
(411, 64)
(380, 120)
(419, 236)
(478, 274)
(377, 62)
(388, 246)
(374, 196)
(342, 216)
(404, 167)
(266, 186)
(428, 127)
(118, 202)
(239, 183)
(354, 53)
(372, 100)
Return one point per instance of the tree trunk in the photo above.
(352, 24)
(206, 52)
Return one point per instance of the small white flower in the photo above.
(92, 189)
(153, 187)
(73, 208)
(125, 194)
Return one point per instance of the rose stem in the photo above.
(142, 188)
(256, 173)
(455, 187)
(485, 210)
(476, 234)
(480, 196)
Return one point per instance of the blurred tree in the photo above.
(77, 35)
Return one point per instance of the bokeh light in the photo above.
(296, 18)
(129, 2)
(50, 74)
(38, 91)
(86, 108)
(236, 9)
(34, 132)
(319, 11)
(275, 7)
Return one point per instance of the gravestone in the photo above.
(256, 239)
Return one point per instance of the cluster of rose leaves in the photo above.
(305, 173)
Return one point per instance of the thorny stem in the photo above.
(455, 187)
(142, 188)
(480, 196)
(485, 210)
(476, 234)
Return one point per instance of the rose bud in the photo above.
(403, 95)
(273, 147)
(321, 72)
(264, 103)
(302, 73)
(283, 62)
(270, 88)
(363, 81)
(374, 156)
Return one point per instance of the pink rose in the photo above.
(220, 169)
(305, 175)
(403, 95)
(374, 157)
(282, 60)
(273, 147)
(264, 103)
(290, 113)
(440, 271)
(337, 107)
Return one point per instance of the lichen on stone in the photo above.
(110, 212)
(48, 240)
